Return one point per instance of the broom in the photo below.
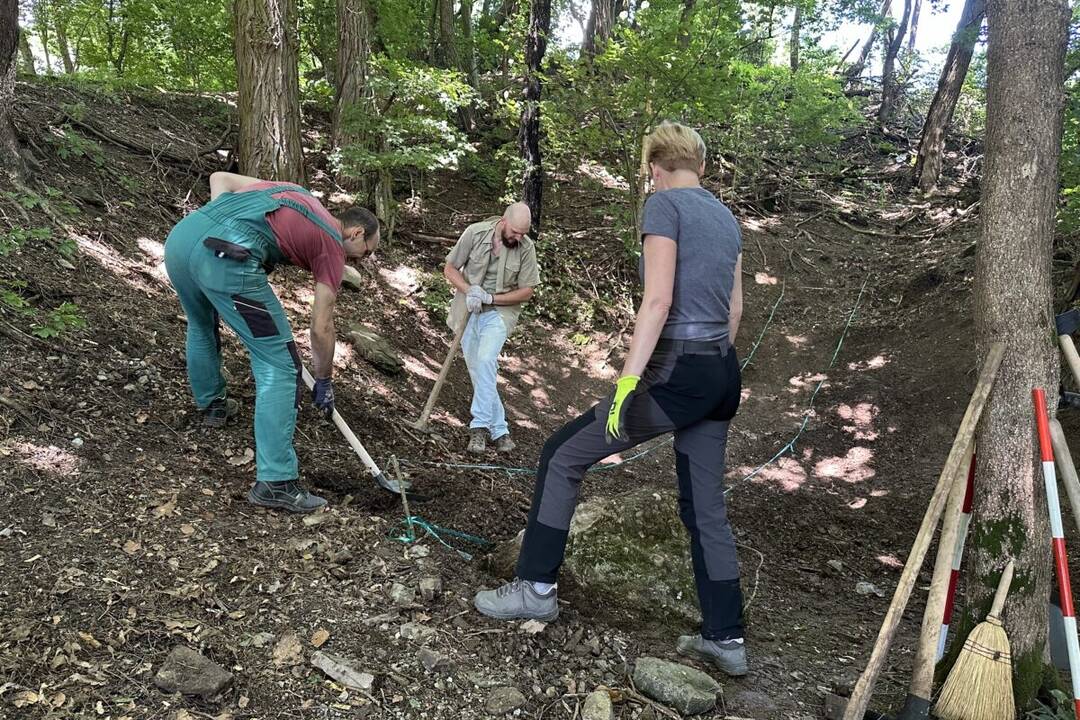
(979, 686)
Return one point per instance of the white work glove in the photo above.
(477, 298)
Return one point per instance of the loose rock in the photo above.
(502, 700)
(402, 596)
(339, 669)
(430, 588)
(597, 706)
(687, 690)
(188, 672)
(416, 631)
(433, 661)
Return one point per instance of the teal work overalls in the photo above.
(217, 259)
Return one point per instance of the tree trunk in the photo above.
(269, 97)
(890, 88)
(10, 161)
(598, 29)
(62, 43)
(353, 51)
(914, 26)
(529, 135)
(1013, 302)
(469, 65)
(864, 55)
(26, 54)
(953, 72)
(444, 53)
(41, 23)
(796, 32)
(684, 21)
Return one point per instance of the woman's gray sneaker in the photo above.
(518, 600)
(287, 495)
(727, 655)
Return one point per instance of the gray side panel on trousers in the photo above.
(704, 445)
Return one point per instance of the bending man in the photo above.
(218, 258)
(680, 375)
(493, 268)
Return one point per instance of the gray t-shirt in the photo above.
(709, 243)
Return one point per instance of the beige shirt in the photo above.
(516, 268)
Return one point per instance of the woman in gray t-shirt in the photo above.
(681, 375)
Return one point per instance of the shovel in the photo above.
(386, 483)
(422, 423)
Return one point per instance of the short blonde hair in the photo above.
(674, 146)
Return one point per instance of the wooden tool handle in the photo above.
(346, 431)
(430, 405)
(1002, 590)
(965, 436)
(1068, 349)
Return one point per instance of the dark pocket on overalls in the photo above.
(259, 320)
(226, 249)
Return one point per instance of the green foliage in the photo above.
(14, 238)
(58, 321)
(71, 145)
(435, 295)
(10, 296)
(1059, 707)
(414, 126)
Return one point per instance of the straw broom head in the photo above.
(979, 686)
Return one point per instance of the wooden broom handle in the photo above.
(1002, 590)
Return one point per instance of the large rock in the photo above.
(375, 349)
(689, 691)
(186, 671)
(628, 553)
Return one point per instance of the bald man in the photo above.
(494, 270)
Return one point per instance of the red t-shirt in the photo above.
(306, 244)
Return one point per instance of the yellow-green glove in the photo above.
(626, 385)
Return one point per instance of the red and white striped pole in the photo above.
(1061, 561)
(958, 555)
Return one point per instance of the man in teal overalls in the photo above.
(217, 259)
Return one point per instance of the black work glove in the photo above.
(323, 396)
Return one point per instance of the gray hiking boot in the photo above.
(517, 600)
(477, 441)
(218, 412)
(504, 444)
(727, 655)
(287, 495)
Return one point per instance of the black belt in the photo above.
(693, 347)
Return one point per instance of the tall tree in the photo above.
(914, 26)
(890, 86)
(443, 48)
(953, 72)
(60, 21)
(529, 136)
(25, 53)
(796, 39)
(598, 29)
(353, 51)
(10, 161)
(1013, 301)
(468, 58)
(859, 65)
(269, 97)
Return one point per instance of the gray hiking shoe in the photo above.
(218, 412)
(477, 441)
(727, 655)
(517, 600)
(287, 495)
(504, 444)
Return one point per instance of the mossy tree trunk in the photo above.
(1013, 303)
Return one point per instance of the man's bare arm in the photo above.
(227, 182)
(514, 297)
(323, 334)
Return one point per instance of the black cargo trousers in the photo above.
(693, 390)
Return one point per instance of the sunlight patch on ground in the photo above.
(759, 224)
(46, 458)
(343, 354)
(447, 419)
(861, 416)
(762, 278)
(402, 278)
(540, 397)
(799, 341)
(890, 560)
(415, 367)
(853, 467)
(878, 493)
(599, 173)
(857, 503)
(744, 394)
(527, 424)
(801, 382)
(787, 474)
(155, 252)
(114, 262)
(874, 363)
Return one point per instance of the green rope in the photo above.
(437, 532)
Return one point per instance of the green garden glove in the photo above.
(626, 385)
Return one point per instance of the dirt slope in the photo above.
(123, 528)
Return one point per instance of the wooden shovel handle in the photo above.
(443, 372)
(1002, 590)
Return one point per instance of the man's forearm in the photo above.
(322, 351)
(514, 297)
